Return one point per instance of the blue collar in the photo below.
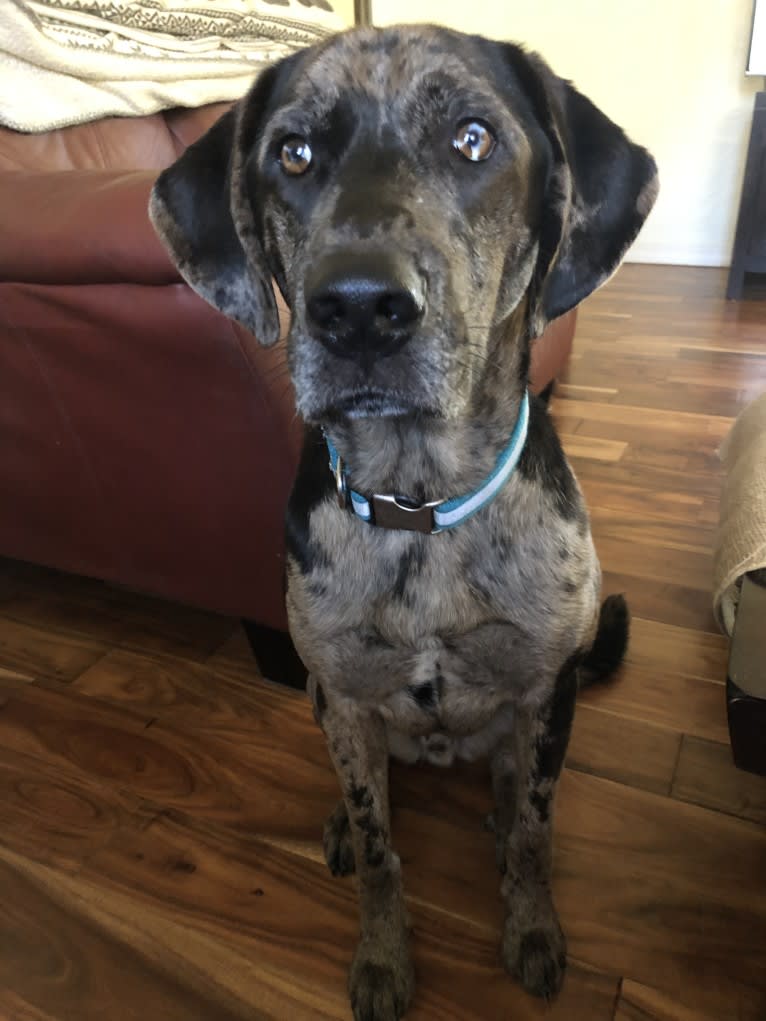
(397, 512)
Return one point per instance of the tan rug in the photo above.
(741, 538)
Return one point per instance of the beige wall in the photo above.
(345, 8)
(671, 72)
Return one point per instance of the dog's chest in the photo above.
(405, 589)
(401, 586)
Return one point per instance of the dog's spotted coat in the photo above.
(470, 642)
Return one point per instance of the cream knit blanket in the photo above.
(69, 61)
(741, 539)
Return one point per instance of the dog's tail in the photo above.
(610, 643)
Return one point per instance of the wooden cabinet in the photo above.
(749, 254)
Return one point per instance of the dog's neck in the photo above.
(436, 459)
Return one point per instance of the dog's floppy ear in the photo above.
(201, 212)
(600, 189)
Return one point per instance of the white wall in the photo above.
(345, 8)
(671, 72)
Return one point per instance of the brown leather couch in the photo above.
(144, 438)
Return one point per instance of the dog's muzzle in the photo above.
(363, 306)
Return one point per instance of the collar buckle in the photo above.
(394, 512)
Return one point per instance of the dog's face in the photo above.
(395, 200)
(409, 189)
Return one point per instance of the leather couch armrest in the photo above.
(80, 226)
(551, 350)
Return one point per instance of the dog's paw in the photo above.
(536, 954)
(381, 984)
(336, 841)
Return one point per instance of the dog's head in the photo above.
(409, 189)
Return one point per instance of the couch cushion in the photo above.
(114, 143)
(147, 440)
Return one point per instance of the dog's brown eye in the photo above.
(295, 155)
(474, 140)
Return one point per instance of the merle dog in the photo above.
(426, 201)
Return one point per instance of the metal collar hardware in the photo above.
(390, 512)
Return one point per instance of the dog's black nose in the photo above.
(360, 305)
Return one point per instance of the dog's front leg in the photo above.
(525, 777)
(381, 980)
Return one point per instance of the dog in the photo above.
(427, 202)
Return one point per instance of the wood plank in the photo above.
(36, 652)
(651, 449)
(11, 681)
(169, 687)
(710, 513)
(645, 558)
(706, 775)
(638, 1002)
(56, 816)
(631, 499)
(680, 606)
(675, 894)
(664, 698)
(624, 414)
(18, 1009)
(584, 393)
(628, 751)
(62, 958)
(591, 448)
(655, 645)
(660, 486)
(686, 398)
(688, 537)
(661, 345)
(213, 769)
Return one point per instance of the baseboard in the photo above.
(662, 256)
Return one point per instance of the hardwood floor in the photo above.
(161, 808)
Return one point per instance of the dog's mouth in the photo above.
(371, 403)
